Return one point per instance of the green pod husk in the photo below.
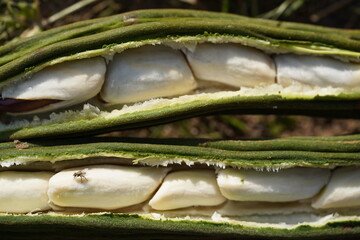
(116, 226)
(106, 36)
(59, 154)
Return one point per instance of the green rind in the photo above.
(286, 144)
(24, 46)
(320, 106)
(15, 49)
(162, 154)
(59, 33)
(344, 143)
(125, 226)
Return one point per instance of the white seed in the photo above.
(187, 188)
(232, 64)
(23, 192)
(105, 187)
(316, 71)
(147, 72)
(283, 186)
(73, 82)
(343, 189)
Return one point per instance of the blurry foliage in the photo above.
(15, 17)
(23, 18)
(286, 8)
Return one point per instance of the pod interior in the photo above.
(191, 184)
(153, 68)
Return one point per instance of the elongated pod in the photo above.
(182, 63)
(113, 188)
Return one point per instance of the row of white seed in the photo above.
(112, 187)
(158, 71)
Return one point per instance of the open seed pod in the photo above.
(153, 66)
(174, 188)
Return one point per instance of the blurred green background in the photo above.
(24, 18)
